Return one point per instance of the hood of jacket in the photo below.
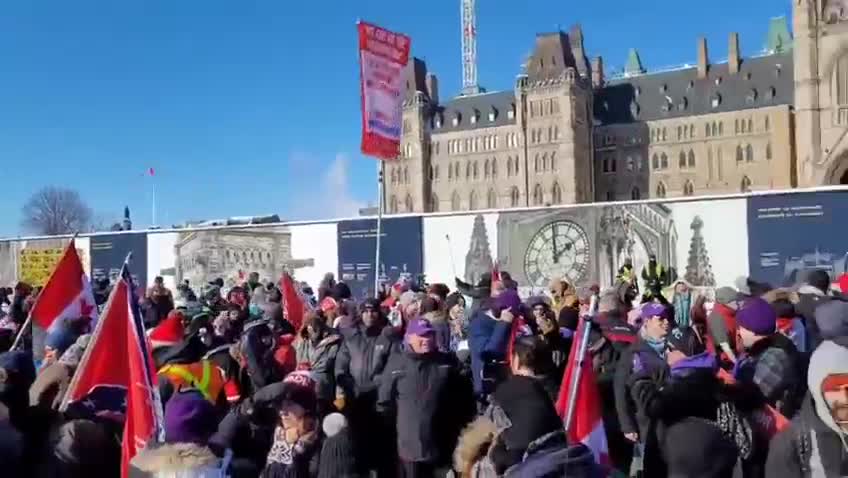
(807, 289)
(474, 443)
(703, 361)
(829, 358)
(186, 458)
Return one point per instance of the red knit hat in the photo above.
(169, 332)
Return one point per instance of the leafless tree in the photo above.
(56, 210)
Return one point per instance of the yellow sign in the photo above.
(36, 265)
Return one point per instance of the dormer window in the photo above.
(475, 116)
(715, 100)
(493, 113)
(456, 118)
(511, 113)
(438, 120)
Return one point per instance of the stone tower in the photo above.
(478, 260)
(699, 272)
(821, 89)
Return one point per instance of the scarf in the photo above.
(285, 453)
(682, 309)
(658, 345)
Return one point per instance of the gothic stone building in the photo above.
(566, 133)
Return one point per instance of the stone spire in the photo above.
(478, 260)
(634, 64)
(699, 272)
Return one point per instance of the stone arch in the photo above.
(837, 171)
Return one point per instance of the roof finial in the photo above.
(633, 66)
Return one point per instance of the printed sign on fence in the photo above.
(383, 55)
(36, 265)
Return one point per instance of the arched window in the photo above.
(740, 154)
(486, 169)
(545, 162)
(691, 159)
(840, 81)
(517, 165)
(538, 195)
(536, 165)
(468, 170)
(663, 161)
(556, 194)
(494, 167)
(394, 176)
(661, 190)
(472, 201)
(405, 175)
(679, 133)
(393, 204)
(432, 172)
(434, 203)
(629, 163)
(436, 172)
(455, 201)
(745, 186)
(550, 133)
(509, 166)
(681, 162)
(707, 130)
(553, 161)
(491, 199)
(768, 151)
(635, 194)
(710, 166)
(475, 170)
(514, 197)
(749, 153)
(408, 203)
(655, 161)
(688, 188)
(556, 132)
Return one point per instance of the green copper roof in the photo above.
(779, 40)
(634, 64)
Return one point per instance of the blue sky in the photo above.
(252, 107)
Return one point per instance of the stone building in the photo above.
(569, 133)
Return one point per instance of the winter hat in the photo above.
(653, 309)
(832, 319)
(843, 283)
(328, 304)
(169, 332)
(683, 340)
(440, 290)
(608, 301)
(686, 444)
(341, 291)
(189, 418)
(420, 327)
(406, 299)
(727, 296)
(301, 388)
(819, 279)
(337, 453)
(60, 338)
(758, 316)
(73, 355)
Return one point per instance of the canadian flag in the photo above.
(67, 293)
(587, 425)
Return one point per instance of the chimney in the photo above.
(598, 72)
(703, 60)
(432, 88)
(733, 57)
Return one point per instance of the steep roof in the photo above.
(466, 107)
(761, 81)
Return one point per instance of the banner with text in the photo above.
(383, 55)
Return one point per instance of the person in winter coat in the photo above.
(17, 374)
(338, 458)
(682, 302)
(317, 349)
(89, 448)
(646, 356)
(816, 442)
(771, 368)
(788, 323)
(697, 448)
(360, 363)
(812, 294)
(169, 333)
(489, 333)
(11, 447)
(159, 301)
(296, 440)
(256, 356)
(549, 332)
(422, 390)
(455, 306)
(50, 384)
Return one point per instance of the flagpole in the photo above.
(153, 182)
(28, 321)
(574, 386)
(380, 201)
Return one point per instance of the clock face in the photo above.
(559, 249)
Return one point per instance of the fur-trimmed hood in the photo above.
(474, 444)
(782, 294)
(187, 459)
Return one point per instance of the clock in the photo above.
(559, 249)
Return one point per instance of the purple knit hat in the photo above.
(508, 299)
(758, 316)
(189, 418)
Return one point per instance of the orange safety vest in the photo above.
(204, 376)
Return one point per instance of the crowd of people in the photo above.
(747, 381)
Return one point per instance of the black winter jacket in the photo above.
(639, 358)
(429, 399)
(362, 358)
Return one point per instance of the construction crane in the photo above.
(469, 47)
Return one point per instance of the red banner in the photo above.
(383, 55)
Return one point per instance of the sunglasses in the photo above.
(836, 382)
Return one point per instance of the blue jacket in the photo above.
(488, 339)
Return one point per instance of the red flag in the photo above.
(292, 302)
(151, 172)
(519, 329)
(119, 385)
(496, 273)
(67, 293)
(587, 425)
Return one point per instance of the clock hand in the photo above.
(556, 254)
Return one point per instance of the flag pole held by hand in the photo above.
(581, 356)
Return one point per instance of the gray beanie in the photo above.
(832, 319)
